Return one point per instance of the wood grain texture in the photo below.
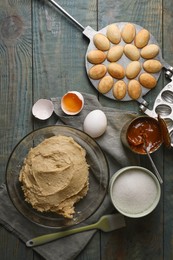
(148, 15)
(168, 154)
(59, 49)
(12, 248)
(42, 55)
(15, 97)
(15, 75)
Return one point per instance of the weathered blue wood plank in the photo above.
(140, 233)
(13, 248)
(59, 49)
(59, 59)
(15, 97)
(15, 75)
(168, 154)
(42, 54)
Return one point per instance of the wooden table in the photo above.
(42, 55)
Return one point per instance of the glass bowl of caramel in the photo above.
(141, 133)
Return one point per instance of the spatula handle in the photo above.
(53, 236)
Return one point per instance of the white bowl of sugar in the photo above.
(135, 191)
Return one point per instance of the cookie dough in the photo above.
(55, 175)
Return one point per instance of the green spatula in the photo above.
(106, 223)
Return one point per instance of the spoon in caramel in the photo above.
(151, 160)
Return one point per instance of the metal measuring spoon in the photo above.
(152, 162)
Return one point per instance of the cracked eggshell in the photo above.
(43, 109)
(72, 103)
(95, 123)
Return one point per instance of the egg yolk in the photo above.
(72, 102)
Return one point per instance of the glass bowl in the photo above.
(98, 177)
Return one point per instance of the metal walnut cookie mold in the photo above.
(121, 59)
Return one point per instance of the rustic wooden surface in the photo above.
(42, 56)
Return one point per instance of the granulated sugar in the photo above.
(134, 191)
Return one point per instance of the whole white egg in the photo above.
(95, 123)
